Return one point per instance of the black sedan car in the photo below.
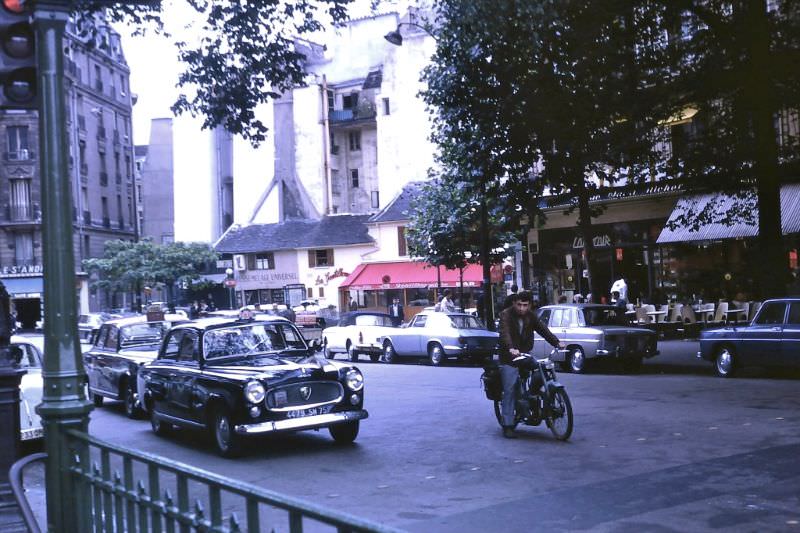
(237, 378)
(120, 347)
(771, 339)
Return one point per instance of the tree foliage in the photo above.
(130, 266)
(245, 55)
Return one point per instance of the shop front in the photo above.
(416, 284)
(25, 286)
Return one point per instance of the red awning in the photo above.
(408, 275)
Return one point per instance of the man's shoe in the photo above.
(509, 433)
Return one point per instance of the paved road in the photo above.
(672, 449)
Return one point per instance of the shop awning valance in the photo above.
(790, 218)
(408, 275)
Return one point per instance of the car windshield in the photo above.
(249, 339)
(465, 322)
(603, 316)
(145, 333)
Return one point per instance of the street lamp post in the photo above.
(230, 283)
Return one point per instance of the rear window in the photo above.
(142, 333)
(465, 322)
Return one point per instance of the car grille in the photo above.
(288, 397)
(637, 345)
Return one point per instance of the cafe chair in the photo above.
(721, 314)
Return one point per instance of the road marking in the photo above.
(474, 468)
(430, 477)
(712, 428)
(641, 439)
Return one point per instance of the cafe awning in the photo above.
(408, 275)
(721, 204)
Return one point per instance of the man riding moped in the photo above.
(517, 324)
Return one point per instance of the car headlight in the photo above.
(254, 392)
(354, 380)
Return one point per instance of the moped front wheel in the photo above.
(559, 416)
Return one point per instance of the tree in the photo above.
(538, 94)
(736, 62)
(180, 261)
(245, 55)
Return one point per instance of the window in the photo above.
(322, 292)
(386, 109)
(23, 248)
(112, 338)
(86, 246)
(772, 313)
(354, 178)
(355, 140)
(320, 258)
(310, 292)
(329, 94)
(20, 203)
(402, 243)
(350, 101)
(17, 143)
(104, 202)
(544, 316)
(265, 261)
(419, 321)
(119, 206)
(375, 199)
(794, 314)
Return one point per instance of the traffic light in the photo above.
(17, 57)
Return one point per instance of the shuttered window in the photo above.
(402, 246)
(320, 258)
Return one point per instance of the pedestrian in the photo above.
(517, 324)
(446, 304)
(396, 312)
(203, 310)
(620, 286)
(509, 301)
(211, 306)
(619, 302)
(194, 310)
(353, 304)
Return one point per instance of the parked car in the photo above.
(249, 377)
(440, 336)
(771, 339)
(593, 331)
(28, 352)
(119, 349)
(89, 324)
(358, 332)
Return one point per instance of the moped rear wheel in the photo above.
(559, 417)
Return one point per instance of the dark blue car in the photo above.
(771, 339)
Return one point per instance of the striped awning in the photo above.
(721, 203)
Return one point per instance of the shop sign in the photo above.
(268, 276)
(598, 241)
(21, 270)
(415, 285)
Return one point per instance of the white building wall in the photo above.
(284, 273)
(309, 143)
(253, 170)
(196, 193)
(385, 236)
(345, 260)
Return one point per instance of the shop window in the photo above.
(402, 243)
(320, 258)
(263, 261)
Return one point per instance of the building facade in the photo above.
(156, 192)
(98, 119)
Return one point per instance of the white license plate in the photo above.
(32, 433)
(300, 413)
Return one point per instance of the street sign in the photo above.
(230, 283)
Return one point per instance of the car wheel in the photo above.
(328, 354)
(129, 400)
(389, 355)
(158, 426)
(226, 441)
(576, 361)
(436, 354)
(344, 433)
(725, 362)
(97, 400)
(374, 357)
(352, 354)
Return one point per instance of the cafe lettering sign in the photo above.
(598, 241)
(21, 270)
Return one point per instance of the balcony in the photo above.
(104, 179)
(87, 218)
(20, 213)
(19, 155)
(364, 111)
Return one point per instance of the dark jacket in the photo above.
(510, 336)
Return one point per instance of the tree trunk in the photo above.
(773, 268)
(586, 231)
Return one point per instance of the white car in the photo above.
(358, 332)
(31, 350)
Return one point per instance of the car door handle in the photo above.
(776, 329)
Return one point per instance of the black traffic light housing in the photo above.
(17, 57)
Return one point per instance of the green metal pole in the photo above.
(64, 405)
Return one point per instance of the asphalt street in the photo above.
(673, 448)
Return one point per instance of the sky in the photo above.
(155, 68)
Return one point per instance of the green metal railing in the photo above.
(119, 490)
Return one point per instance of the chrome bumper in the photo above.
(306, 422)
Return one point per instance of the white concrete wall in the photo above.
(309, 147)
(196, 193)
(346, 258)
(253, 169)
(385, 236)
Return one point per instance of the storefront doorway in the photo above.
(28, 311)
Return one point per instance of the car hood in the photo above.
(275, 371)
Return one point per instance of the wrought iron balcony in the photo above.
(87, 218)
(19, 213)
(364, 111)
(19, 155)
